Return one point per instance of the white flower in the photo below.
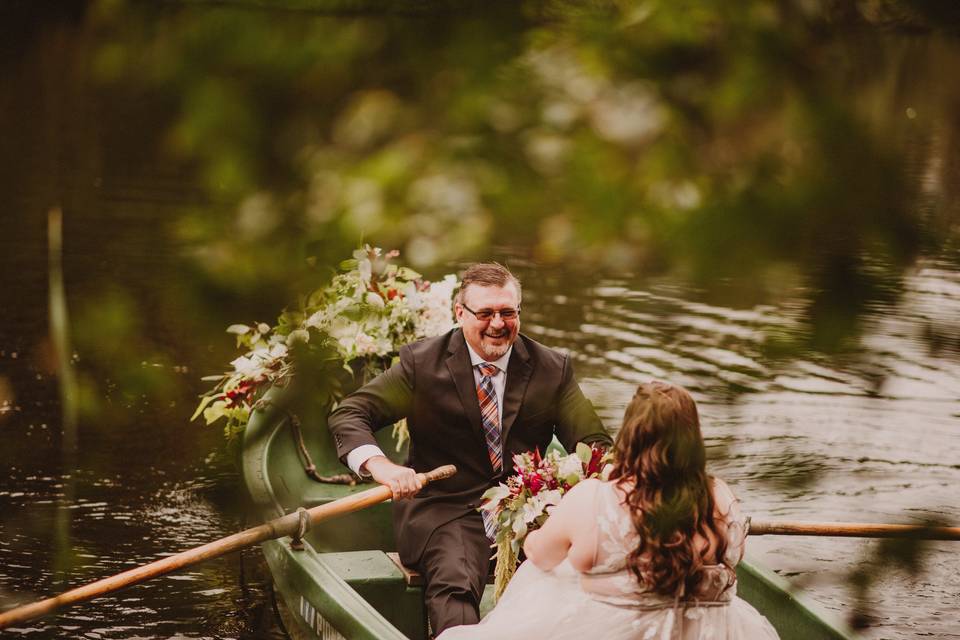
(433, 322)
(245, 366)
(365, 269)
(435, 307)
(255, 364)
(570, 466)
(365, 345)
(548, 498)
(443, 289)
(530, 511)
(316, 320)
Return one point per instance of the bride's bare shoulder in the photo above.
(584, 491)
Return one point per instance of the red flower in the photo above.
(594, 467)
(241, 394)
(535, 483)
(392, 293)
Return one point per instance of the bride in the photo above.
(650, 554)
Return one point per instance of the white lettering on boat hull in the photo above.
(318, 623)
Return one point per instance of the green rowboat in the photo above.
(342, 583)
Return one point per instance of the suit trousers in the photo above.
(454, 565)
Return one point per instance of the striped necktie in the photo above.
(490, 416)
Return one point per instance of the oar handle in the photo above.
(440, 473)
(852, 530)
(286, 525)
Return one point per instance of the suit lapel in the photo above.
(519, 370)
(458, 363)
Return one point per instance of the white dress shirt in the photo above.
(359, 456)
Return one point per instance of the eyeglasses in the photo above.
(485, 315)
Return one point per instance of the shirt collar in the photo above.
(500, 363)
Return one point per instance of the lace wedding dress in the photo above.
(608, 602)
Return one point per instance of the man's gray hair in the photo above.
(487, 274)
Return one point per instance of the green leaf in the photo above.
(215, 411)
(497, 493)
(204, 401)
(315, 299)
(584, 452)
(298, 336)
(355, 312)
(408, 274)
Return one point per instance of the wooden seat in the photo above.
(413, 577)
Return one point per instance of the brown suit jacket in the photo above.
(433, 387)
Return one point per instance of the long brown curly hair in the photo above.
(660, 461)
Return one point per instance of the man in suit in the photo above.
(472, 397)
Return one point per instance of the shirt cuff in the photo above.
(357, 457)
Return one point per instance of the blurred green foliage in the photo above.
(736, 144)
(787, 152)
(216, 159)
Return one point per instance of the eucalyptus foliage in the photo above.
(356, 324)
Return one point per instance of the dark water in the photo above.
(824, 396)
(809, 439)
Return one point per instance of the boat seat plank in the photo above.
(362, 566)
(413, 577)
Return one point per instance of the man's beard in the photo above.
(495, 352)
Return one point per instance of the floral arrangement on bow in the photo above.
(522, 504)
(358, 322)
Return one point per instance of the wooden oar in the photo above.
(287, 525)
(852, 530)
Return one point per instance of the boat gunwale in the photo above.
(348, 603)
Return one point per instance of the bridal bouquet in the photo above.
(356, 323)
(522, 504)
